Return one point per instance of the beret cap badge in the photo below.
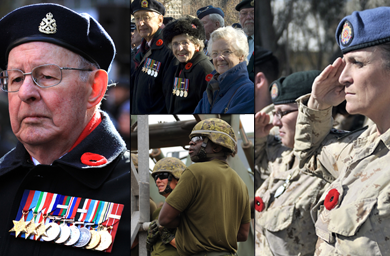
(144, 4)
(347, 33)
(274, 91)
(48, 25)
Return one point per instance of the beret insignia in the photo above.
(48, 25)
(274, 91)
(144, 4)
(346, 35)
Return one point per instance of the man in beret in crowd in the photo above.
(212, 19)
(54, 65)
(152, 60)
(246, 9)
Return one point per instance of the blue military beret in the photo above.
(287, 89)
(58, 25)
(209, 10)
(364, 29)
(147, 5)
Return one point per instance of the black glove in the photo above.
(153, 235)
(167, 234)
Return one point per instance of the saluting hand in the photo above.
(327, 90)
(262, 124)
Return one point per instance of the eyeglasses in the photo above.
(144, 18)
(223, 54)
(161, 175)
(44, 76)
(281, 114)
(196, 138)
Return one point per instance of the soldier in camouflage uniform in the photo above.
(210, 204)
(161, 240)
(352, 217)
(282, 203)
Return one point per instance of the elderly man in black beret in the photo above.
(70, 163)
(246, 9)
(152, 60)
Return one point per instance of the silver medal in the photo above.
(149, 71)
(152, 73)
(74, 236)
(155, 74)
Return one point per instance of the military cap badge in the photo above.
(48, 25)
(346, 34)
(274, 91)
(144, 4)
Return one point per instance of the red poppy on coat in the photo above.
(331, 199)
(159, 42)
(259, 204)
(92, 159)
(188, 65)
(208, 77)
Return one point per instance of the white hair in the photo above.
(235, 36)
(217, 18)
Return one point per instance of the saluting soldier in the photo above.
(185, 37)
(152, 60)
(65, 184)
(283, 202)
(352, 215)
(210, 204)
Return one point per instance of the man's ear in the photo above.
(98, 86)
(260, 80)
(216, 148)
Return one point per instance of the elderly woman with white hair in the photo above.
(229, 89)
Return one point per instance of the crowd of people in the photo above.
(192, 64)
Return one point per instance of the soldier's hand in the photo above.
(167, 234)
(327, 90)
(153, 235)
(262, 124)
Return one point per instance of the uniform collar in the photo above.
(104, 140)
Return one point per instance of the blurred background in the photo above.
(114, 16)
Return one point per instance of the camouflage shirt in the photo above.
(284, 226)
(353, 215)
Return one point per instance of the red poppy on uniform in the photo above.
(259, 204)
(188, 65)
(92, 159)
(331, 199)
(208, 77)
(159, 42)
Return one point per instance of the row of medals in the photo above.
(180, 93)
(150, 72)
(99, 239)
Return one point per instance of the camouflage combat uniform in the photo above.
(356, 220)
(284, 226)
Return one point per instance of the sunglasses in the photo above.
(161, 175)
(196, 138)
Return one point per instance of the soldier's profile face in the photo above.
(147, 23)
(47, 116)
(366, 82)
(286, 123)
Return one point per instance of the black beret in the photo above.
(262, 55)
(287, 89)
(209, 10)
(147, 5)
(245, 4)
(186, 25)
(236, 25)
(58, 25)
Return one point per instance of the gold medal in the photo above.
(19, 226)
(30, 229)
(177, 92)
(41, 230)
(105, 240)
(95, 240)
(174, 91)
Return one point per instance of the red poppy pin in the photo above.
(208, 77)
(92, 159)
(193, 26)
(188, 65)
(331, 199)
(159, 42)
(259, 204)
